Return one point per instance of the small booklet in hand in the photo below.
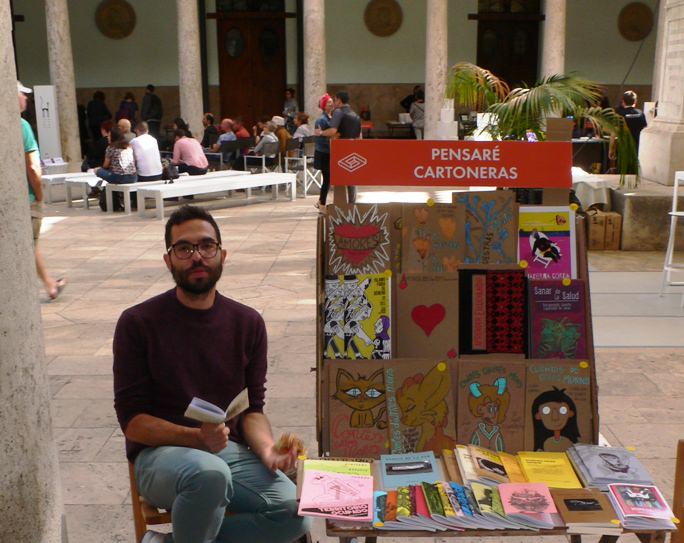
(204, 411)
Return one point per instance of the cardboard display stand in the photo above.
(367, 239)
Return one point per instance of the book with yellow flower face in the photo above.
(433, 237)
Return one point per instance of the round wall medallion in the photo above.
(635, 21)
(383, 17)
(115, 18)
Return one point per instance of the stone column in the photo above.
(61, 61)
(658, 60)
(30, 500)
(189, 65)
(553, 42)
(435, 64)
(314, 55)
(661, 143)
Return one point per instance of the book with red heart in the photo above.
(432, 238)
(491, 403)
(427, 315)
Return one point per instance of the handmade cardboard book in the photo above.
(558, 405)
(547, 244)
(558, 318)
(357, 317)
(432, 238)
(427, 315)
(491, 404)
(357, 408)
(586, 506)
(492, 311)
(358, 238)
(491, 226)
(420, 404)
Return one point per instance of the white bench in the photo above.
(83, 183)
(50, 180)
(195, 187)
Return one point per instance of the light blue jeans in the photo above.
(198, 487)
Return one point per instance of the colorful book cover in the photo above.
(447, 507)
(640, 501)
(487, 464)
(357, 317)
(403, 502)
(427, 315)
(358, 239)
(491, 226)
(408, 469)
(380, 508)
(357, 408)
(337, 496)
(420, 403)
(558, 405)
(551, 468)
(529, 499)
(491, 404)
(583, 506)
(557, 314)
(433, 499)
(432, 238)
(547, 244)
(391, 506)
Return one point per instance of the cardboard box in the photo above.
(613, 231)
(596, 230)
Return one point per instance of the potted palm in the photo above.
(525, 109)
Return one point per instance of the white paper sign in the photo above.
(47, 121)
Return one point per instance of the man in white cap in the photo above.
(33, 172)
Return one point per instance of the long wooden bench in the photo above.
(196, 187)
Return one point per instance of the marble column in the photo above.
(189, 65)
(30, 500)
(314, 55)
(435, 65)
(61, 62)
(553, 41)
(658, 60)
(661, 144)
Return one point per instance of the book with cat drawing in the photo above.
(203, 411)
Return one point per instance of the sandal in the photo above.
(59, 287)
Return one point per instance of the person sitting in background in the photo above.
(119, 163)
(210, 132)
(239, 129)
(303, 129)
(417, 113)
(96, 149)
(227, 134)
(124, 126)
(281, 133)
(146, 153)
(128, 109)
(97, 112)
(408, 100)
(188, 154)
(180, 122)
(268, 136)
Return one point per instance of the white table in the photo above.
(591, 189)
(51, 179)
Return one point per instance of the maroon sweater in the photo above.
(165, 353)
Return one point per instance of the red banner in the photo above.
(451, 163)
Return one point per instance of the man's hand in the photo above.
(283, 460)
(214, 437)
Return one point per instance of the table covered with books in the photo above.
(455, 351)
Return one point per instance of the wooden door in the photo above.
(509, 49)
(252, 65)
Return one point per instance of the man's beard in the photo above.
(201, 285)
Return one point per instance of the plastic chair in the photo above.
(669, 265)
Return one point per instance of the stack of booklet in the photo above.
(586, 511)
(641, 507)
(599, 466)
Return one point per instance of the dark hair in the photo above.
(150, 87)
(142, 127)
(189, 213)
(128, 95)
(541, 433)
(99, 95)
(291, 91)
(343, 96)
(180, 133)
(107, 125)
(420, 95)
(209, 117)
(238, 121)
(629, 98)
(117, 139)
(180, 123)
(302, 117)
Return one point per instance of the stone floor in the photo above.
(114, 261)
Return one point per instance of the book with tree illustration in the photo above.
(557, 314)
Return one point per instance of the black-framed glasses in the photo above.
(184, 249)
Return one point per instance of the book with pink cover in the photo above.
(529, 503)
(337, 496)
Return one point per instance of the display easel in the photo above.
(553, 195)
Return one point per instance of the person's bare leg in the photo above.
(51, 286)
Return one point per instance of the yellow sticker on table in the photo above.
(524, 264)
(675, 520)
(430, 202)
(566, 281)
(584, 364)
(615, 521)
(574, 207)
(631, 448)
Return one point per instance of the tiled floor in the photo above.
(114, 261)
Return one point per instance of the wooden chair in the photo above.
(678, 494)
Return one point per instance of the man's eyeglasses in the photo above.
(184, 249)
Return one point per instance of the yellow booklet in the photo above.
(513, 470)
(552, 468)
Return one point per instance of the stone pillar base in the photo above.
(661, 151)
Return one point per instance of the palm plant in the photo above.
(525, 109)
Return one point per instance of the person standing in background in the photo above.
(97, 113)
(635, 118)
(152, 111)
(290, 109)
(128, 108)
(322, 149)
(417, 113)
